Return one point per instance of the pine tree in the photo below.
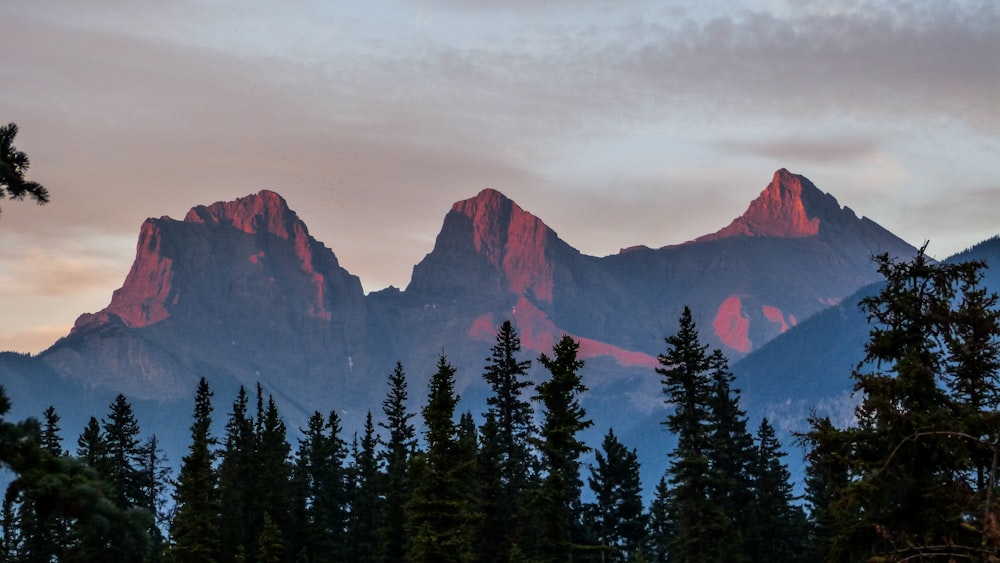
(561, 448)
(777, 526)
(13, 165)
(236, 483)
(619, 521)
(194, 529)
(153, 475)
(512, 415)
(123, 454)
(367, 504)
(91, 447)
(916, 459)
(321, 492)
(731, 458)
(661, 524)
(399, 448)
(697, 521)
(273, 475)
(440, 516)
(51, 439)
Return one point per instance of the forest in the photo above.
(912, 479)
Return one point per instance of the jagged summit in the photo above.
(790, 206)
(510, 247)
(265, 211)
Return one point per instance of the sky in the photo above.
(616, 122)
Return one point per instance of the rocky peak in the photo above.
(790, 206)
(512, 246)
(264, 211)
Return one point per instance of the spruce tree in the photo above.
(320, 484)
(661, 525)
(619, 520)
(367, 504)
(512, 414)
(560, 446)
(236, 484)
(123, 454)
(194, 528)
(440, 514)
(708, 468)
(916, 458)
(50, 438)
(777, 525)
(402, 442)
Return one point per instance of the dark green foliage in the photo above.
(51, 439)
(13, 166)
(236, 474)
(321, 492)
(619, 521)
(511, 414)
(777, 526)
(367, 506)
(69, 517)
(194, 529)
(563, 419)
(123, 454)
(915, 477)
(661, 526)
(441, 517)
(700, 527)
(399, 448)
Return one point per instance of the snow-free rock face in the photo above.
(240, 291)
(237, 284)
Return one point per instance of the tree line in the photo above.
(912, 479)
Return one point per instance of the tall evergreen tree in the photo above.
(367, 504)
(273, 475)
(236, 484)
(697, 522)
(51, 438)
(661, 526)
(619, 520)
(321, 492)
(401, 444)
(777, 525)
(153, 476)
(561, 448)
(915, 460)
(194, 529)
(731, 458)
(440, 515)
(512, 414)
(123, 454)
(91, 448)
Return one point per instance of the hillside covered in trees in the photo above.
(914, 478)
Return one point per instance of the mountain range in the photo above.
(239, 292)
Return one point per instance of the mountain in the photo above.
(240, 293)
(813, 363)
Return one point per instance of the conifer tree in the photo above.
(321, 492)
(123, 454)
(777, 526)
(440, 515)
(661, 527)
(731, 458)
(512, 414)
(619, 520)
(367, 504)
(236, 484)
(398, 450)
(194, 529)
(273, 475)
(916, 458)
(51, 439)
(91, 448)
(13, 166)
(701, 528)
(561, 448)
(493, 536)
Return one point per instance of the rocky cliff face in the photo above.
(240, 292)
(239, 288)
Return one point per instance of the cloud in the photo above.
(807, 149)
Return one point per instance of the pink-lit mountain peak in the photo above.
(790, 206)
(265, 211)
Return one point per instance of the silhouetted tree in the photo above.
(13, 166)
